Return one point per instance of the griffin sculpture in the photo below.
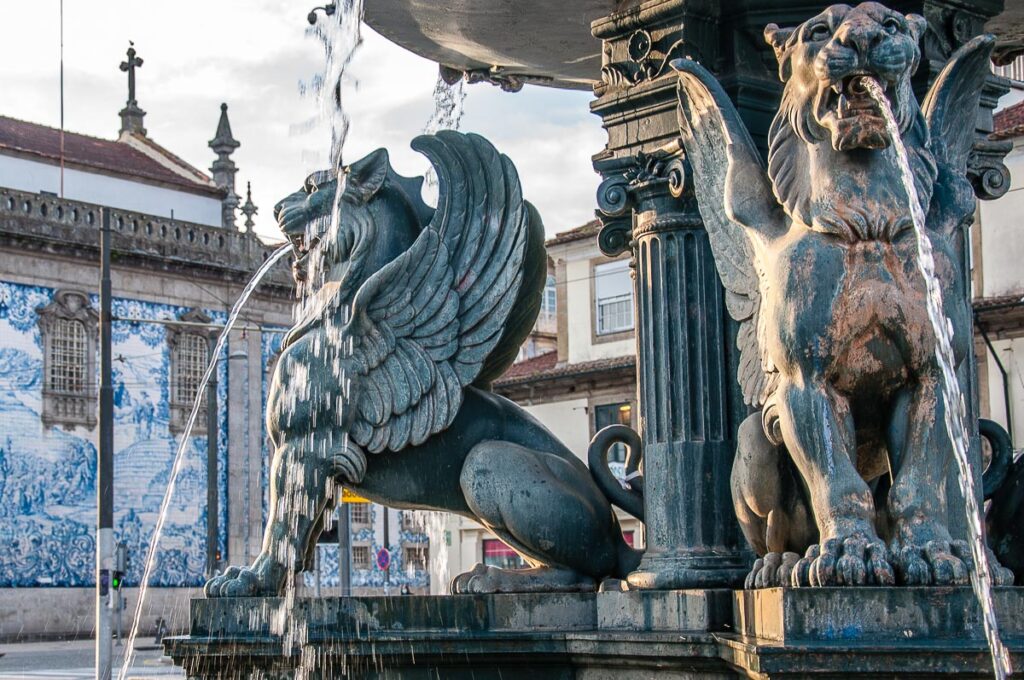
(383, 385)
(840, 474)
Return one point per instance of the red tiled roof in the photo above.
(588, 230)
(545, 367)
(110, 156)
(1009, 122)
(1014, 300)
(541, 362)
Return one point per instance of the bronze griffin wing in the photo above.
(452, 310)
(738, 209)
(950, 110)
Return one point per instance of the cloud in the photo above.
(256, 56)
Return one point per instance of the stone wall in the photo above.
(64, 613)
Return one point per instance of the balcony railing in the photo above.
(59, 220)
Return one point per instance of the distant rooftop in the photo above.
(132, 157)
(545, 367)
(588, 230)
(1009, 122)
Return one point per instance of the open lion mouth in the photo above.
(300, 265)
(846, 108)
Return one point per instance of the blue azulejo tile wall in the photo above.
(48, 474)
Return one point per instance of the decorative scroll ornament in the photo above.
(619, 195)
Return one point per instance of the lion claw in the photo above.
(852, 561)
(774, 570)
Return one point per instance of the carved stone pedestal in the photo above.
(868, 632)
(635, 635)
(620, 635)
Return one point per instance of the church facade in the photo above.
(179, 262)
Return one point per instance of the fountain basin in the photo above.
(543, 42)
(551, 43)
(773, 633)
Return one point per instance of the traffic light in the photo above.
(120, 565)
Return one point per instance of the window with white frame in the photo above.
(613, 295)
(415, 557)
(67, 358)
(191, 355)
(67, 328)
(546, 319)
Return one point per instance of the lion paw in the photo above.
(942, 563)
(774, 570)
(240, 582)
(938, 563)
(485, 580)
(852, 561)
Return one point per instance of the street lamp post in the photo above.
(105, 468)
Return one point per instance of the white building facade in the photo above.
(584, 382)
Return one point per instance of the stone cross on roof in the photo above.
(131, 114)
(130, 66)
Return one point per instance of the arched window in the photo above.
(190, 353)
(68, 328)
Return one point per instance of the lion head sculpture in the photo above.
(827, 118)
(305, 217)
(824, 60)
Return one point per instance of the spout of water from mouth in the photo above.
(955, 407)
(859, 85)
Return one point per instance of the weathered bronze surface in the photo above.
(384, 382)
(846, 460)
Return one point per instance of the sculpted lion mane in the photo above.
(840, 473)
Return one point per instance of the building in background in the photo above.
(585, 382)
(179, 263)
(997, 251)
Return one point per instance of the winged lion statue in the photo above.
(383, 384)
(840, 473)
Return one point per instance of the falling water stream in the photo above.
(341, 37)
(955, 408)
(179, 455)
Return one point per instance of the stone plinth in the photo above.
(625, 635)
(868, 632)
(637, 635)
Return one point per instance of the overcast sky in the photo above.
(255, 55)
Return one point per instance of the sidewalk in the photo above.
(73, 660)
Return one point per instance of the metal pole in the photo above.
(105, 468)
(387, 546)
(212, 474)
(316, 570)
(344, 550)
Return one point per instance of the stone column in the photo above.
(685, 380)
(689, 402)
(238, 494)
(255, 437)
